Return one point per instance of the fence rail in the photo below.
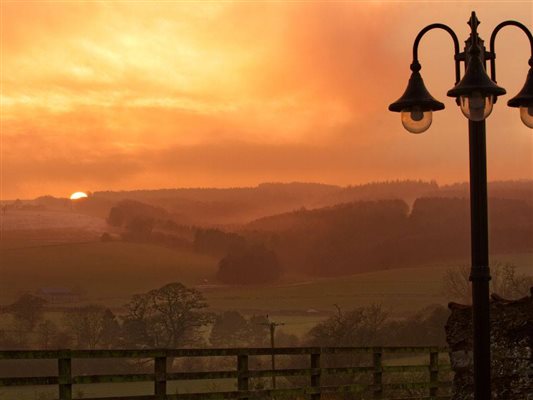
(315, 375)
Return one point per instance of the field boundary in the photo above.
(319, 368)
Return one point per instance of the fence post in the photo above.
(242, 373)
(433, 373)
(315, 375)
(160, 377)
(378, 372)
(64, 369)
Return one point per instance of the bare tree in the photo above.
(361, 326)
(506, 281)
(46, 334)
(86, 324)
(27, 311)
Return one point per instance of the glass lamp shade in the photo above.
(476, 107)
(415, 120)
(526, 115)
(416, 105)
(524, 101)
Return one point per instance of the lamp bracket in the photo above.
(455, 44)
(493, 40)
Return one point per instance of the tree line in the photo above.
(174, 316)
(376, 235)
(362, 236)
(334, 241)
(177, 316)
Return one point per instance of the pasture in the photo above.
(400, 291)
(109, 273)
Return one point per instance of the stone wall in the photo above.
(511, 345)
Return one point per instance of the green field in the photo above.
(105, 272)
(399, 290)
(301, 306)
(109, 273)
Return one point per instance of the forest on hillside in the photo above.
(365, 236)
(259, 234)
(210, 207)
(344, 239)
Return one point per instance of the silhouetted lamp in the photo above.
(416, 104)
(476, 94)
(476, 91)
(524, 100)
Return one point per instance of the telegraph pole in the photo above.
(273, 325)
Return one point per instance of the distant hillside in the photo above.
(211, 206)
(372, 235)
(313, 229)
(231, 207)
(407, 191)
(517, 190)
(234, 206)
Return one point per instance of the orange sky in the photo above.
(121, 95)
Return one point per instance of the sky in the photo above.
(121, 95)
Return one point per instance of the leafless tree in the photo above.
(27, 311)
(46, 334)
(506, 281)
(86, 324)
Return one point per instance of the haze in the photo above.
(124, 95)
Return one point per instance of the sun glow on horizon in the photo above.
(128, 95)
(77, 195)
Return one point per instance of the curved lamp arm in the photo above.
(415, 66)
(493, 39)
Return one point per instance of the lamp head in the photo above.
(416, 105)
(476, 91)
(524, 101)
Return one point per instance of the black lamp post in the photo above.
(476, 94)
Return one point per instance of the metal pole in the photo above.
(480, 273)
(272, 344)
(272, 325)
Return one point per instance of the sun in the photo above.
(77, 195)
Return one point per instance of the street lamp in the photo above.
(476, 94)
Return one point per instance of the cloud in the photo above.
(135, 94)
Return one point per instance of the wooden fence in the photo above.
(315, 375)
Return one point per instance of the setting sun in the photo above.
(251, 92)
(77, 195)
(282, 189)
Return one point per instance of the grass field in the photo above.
(109, 273)
(21, 220)
(106, 272)
(399, 290)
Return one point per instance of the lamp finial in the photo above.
(473, 22)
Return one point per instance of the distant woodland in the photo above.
(272, 235)
(261, 233)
